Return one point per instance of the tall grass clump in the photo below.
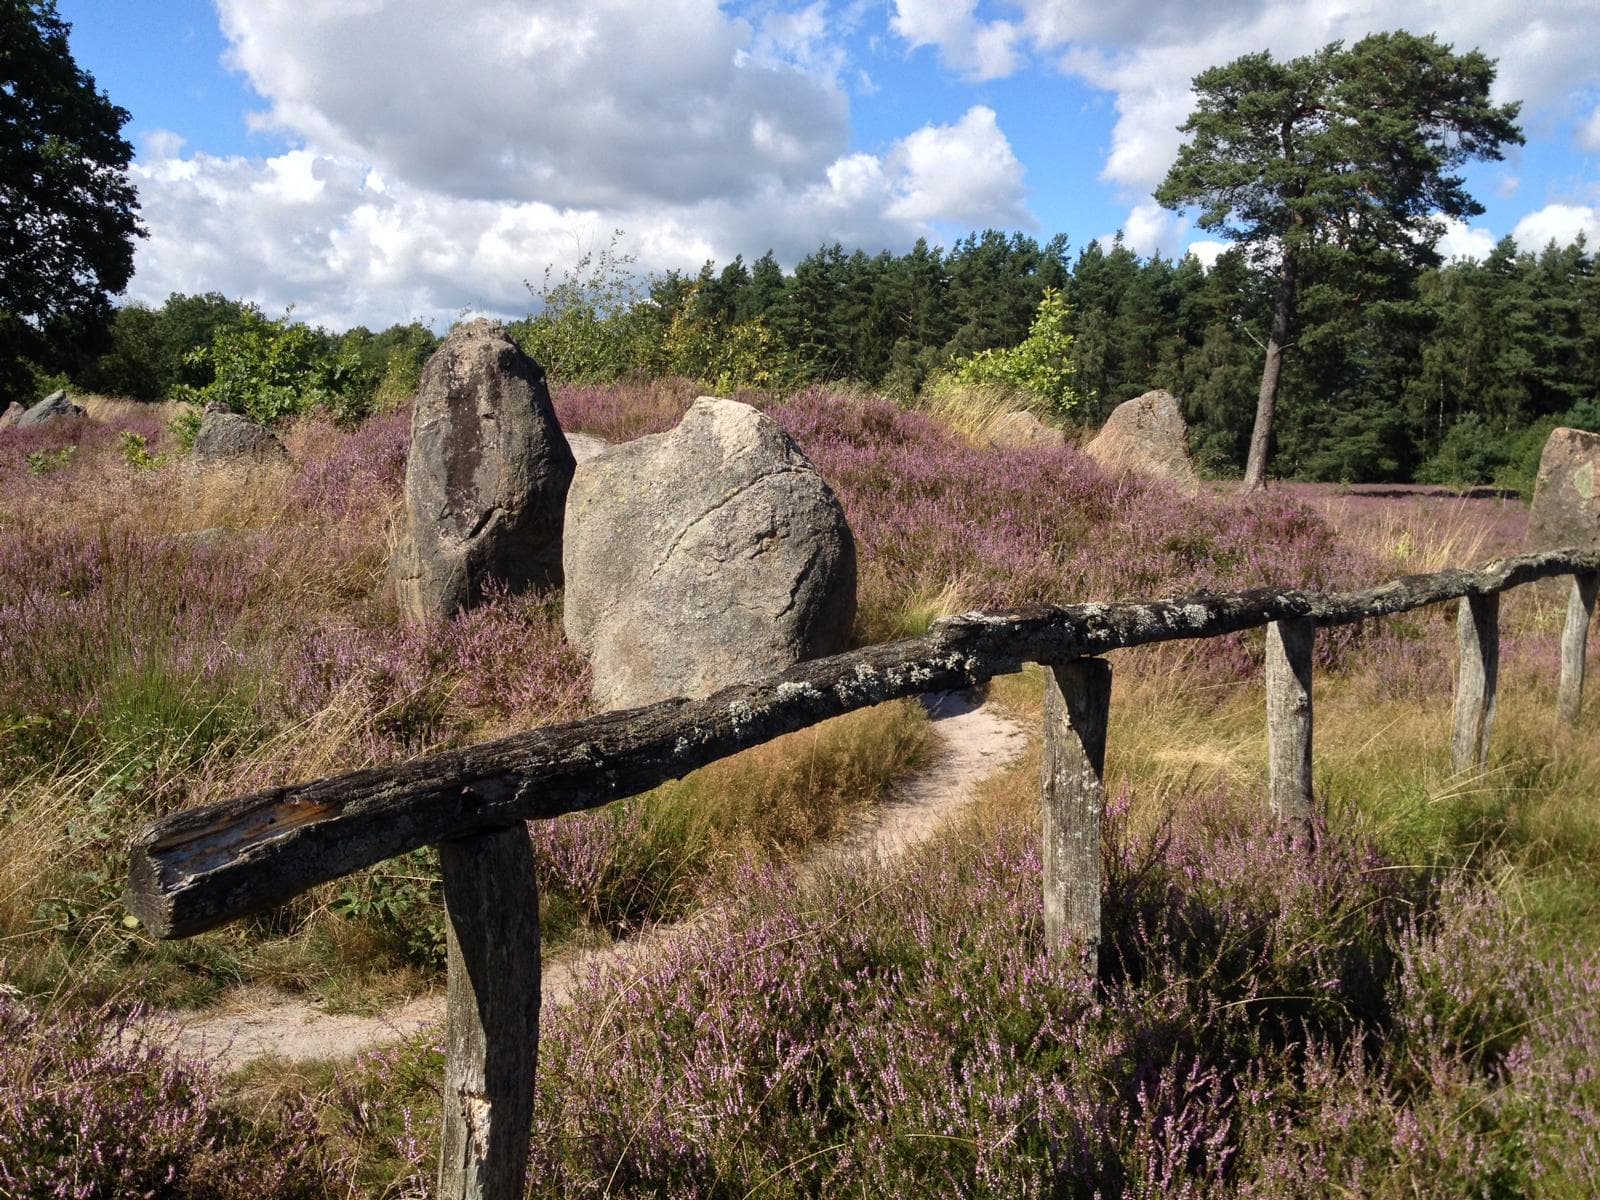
(653, 856)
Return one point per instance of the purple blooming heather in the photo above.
(90, 1110)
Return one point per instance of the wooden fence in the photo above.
(199, 868)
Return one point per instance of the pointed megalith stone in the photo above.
(486, 478)
(1566, 496)
(708, 555)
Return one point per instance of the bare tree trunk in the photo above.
(1255, 471)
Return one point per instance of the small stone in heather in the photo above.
(1147, 434)
(12, 415)
(56, 406)
(228, 439)
(708, 555)
(486, 478)
(1566, 511)
(1023, 430)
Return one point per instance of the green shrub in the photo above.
(1041, 365)
(592, 327)
(185, 427)
(42, 462)
(271, 370)
(402, 901)
(1470, 453)
(136, 452)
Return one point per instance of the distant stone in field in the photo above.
(1147, 434)
(486, 478)
(54, 407)
(12, 415)
(1566, 513)
(1022, 429)
(707, 555)
(227, 439)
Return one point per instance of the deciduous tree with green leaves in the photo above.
(1344, 152)
(68, 214)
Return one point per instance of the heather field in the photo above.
(1411, 1010)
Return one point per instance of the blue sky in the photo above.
(376, 161)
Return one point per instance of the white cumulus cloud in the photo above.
(1207, 251)
(1558, 223)
(977, 49)
(1146, 52)
(439, 155)
(1461, 240)
(1151, 229)
(345, 243)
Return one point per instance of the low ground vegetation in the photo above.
(1407, 1012)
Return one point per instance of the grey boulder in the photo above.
(1565, 512)
(486, 478)
(56, 406)
(228, 439)
(708, 555)
(1147, 435)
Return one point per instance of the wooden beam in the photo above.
(1290, 644)
(1077, 704)
(491, 901)
(1478, 633)
(1575, 646)
(198, 868)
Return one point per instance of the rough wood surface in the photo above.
(1575, 646)
(1077, 702)
(1289, 647)
(198, 868)
(1478, 632)
(491, 901)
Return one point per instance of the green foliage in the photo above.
(591, 327)
(1334, 164)
(185, 427)
(1041, 365)
(271, 370)
(136, 452)
(726, 358)
(42, 462)
(70, 214)
(402, 901)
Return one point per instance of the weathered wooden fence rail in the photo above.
(199, 868)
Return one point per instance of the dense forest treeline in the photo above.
(1452, 374)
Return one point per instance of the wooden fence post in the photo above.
(1575, 645)
(491, 903)
(1478, 631)
(1077, 702)
(1289, 648)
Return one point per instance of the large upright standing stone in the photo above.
(708, 555)
(486, 479)
(1565, 512)
(1147, 434)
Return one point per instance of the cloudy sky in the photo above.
(376, 161)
